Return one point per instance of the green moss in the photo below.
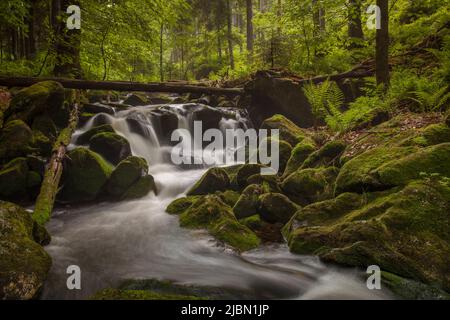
(24, 264)
(140, 188)
(247, 205)
(232, 175)
(229, 197)
(310, 185)
(15, 139)
(270, 182)
(432, 135)
(404, 231)
(85, 175)
(111, 146)
(276, 207)
(246, 171)
(209, 212)
(180, 205)
(357, 174)
(116, 294)
(41, 144)
(298, 155)
(86, 136)
(284, 151)
(328, 155)
(36, 99)
(215, 179)
(13, 179)
(434, 159)
(288, 130)
(447, 118)
(46, 126)
(126, 174)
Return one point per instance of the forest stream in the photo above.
(137, 239)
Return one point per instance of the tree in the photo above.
(382, 45)
(355, 31)
(249, 7)
(229, 34)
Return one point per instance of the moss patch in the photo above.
(215, 179)
(248, 202)
(298, 155)
(276, 207)
(180, 205)
(328, 155)
(111, 146)
(86, 136)
(126, 174)
(117, 294)
(288, 130)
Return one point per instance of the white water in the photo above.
(111, 242)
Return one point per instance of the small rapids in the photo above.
(111, 242)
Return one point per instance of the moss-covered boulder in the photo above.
(289, 131)
(142, 187)
(127, 295)
(298, 155)
(306, 186)
(270, 182)
(447, 118)
(13, 179)
(126, 174)
(229, 197)
(41, 144)
(209, 212)
(110, 146)
(46, 126)
(85, 175)
(24, 264)
(284, 152)
(245, 172)
(215, 179)
(248, 202)
(15, 139)
(328, 155)
(97, 107)
(267, 232)
(276, 207)
(136, 100)
(83, 139)
(180, 205)
(404, 231)
(432, 135)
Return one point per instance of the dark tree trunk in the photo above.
(250, 25)
(31, 52)
(382, 45)
(355, 30)
(229, 34)
(67, 46)
(161, 52)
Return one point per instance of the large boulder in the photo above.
(404, 231)
(276, 207)
(246, 171)
(142, 187)
(46, 126)
(289, 131)
(180, 205)
(306, 186)
(432, 135)
(85, 175)
(13, 179)
(209, 212)
(298, 155)
(136, 100)
(15, 139)
(111, 146)
(39, 98)
(208, 116)
(24, 264)
(326, 156)
(86, 136)
(126, 173)
(247, 205)
(215, 179)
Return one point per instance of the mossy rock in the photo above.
(211, 213)
(15, 139)
(404, 231)
(46, 126)
(245, 172)
(298, 155)
(232, 175)
(306, 186)
(215, 179)
(85, 175)
(229, 197)
(142, 187)
(36, 99)
(83, 139)
(328, 155)
(13, 179)
(357, 174)
(248, 202)
(447, 118)
(117, 294)
(267, 232)
(180, 205)
(289, 131)
(276, 207)
(432, 135)
(136, 100)
(84, 117)
(284, 152)
(41, 144)
(269, 182)
(24, 264)
(110, 146)
(126, 173)
(97, 108)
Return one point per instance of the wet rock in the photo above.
(180, 205)
(209, 117)
(142, 187)
(215, 179)
(136, 100)
(24, 264)
(167, 122)
(84, 138)
(248, 202)
(85, 174)
(15, 139)
(126, 173)
(111, 146)
(97, 108)
(276, 207)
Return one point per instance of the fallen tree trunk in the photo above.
(122, 86)
(49, 188)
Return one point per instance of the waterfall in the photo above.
(136, 239)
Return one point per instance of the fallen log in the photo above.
(122, 86)
(49, 187)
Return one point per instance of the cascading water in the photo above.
(111, 242)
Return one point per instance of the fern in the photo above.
(432, 100)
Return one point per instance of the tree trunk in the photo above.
(250, 26)
(161, 52)
(382, 46)
(229, 34)
(355, 30)
(67, 46)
